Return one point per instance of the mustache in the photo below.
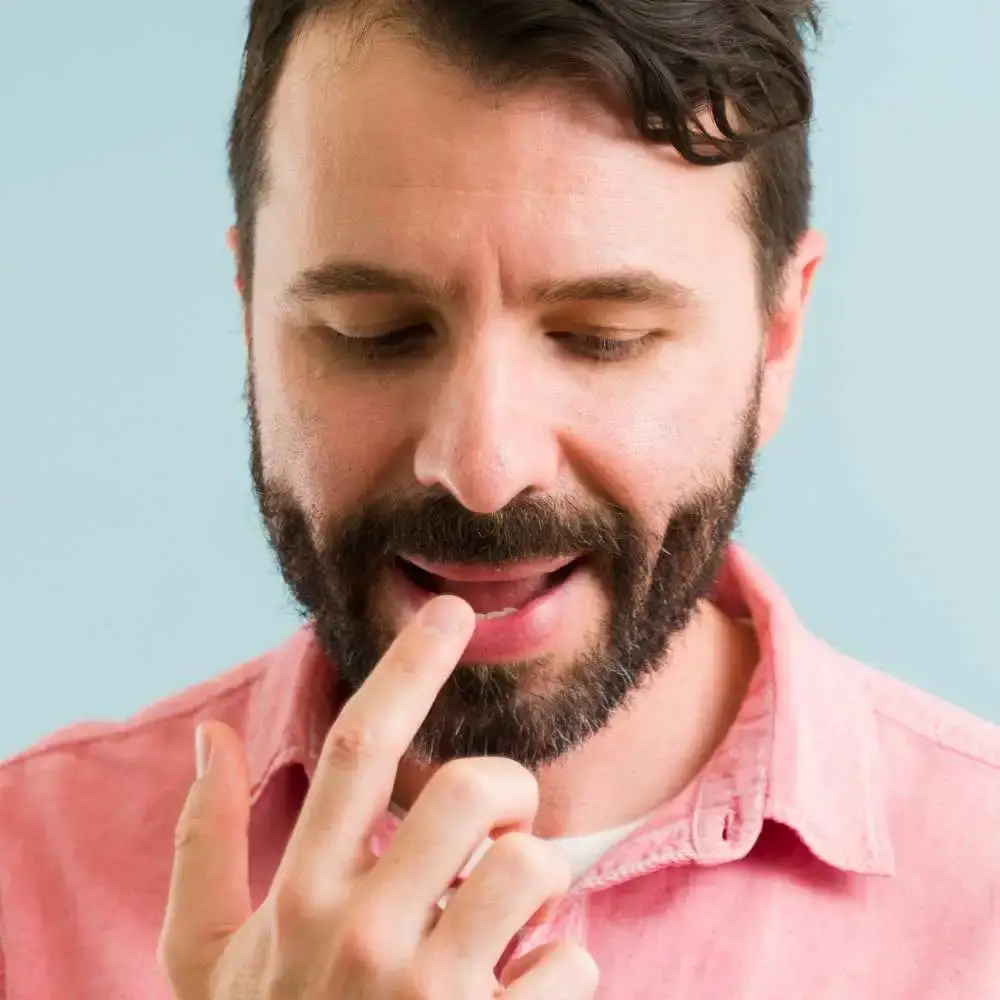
(434, 526)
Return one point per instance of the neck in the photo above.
(673, 724)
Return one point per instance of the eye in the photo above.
(605, 348)
(394, 343)
(409, 340)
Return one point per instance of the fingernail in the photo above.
(202, 750)
(445, 616)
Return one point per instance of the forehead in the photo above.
(379, 152)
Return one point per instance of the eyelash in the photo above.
(399, 343)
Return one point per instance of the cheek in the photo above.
(655, 438)
(324, 441)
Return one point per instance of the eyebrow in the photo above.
(336, 278)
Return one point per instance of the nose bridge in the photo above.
(488, 436)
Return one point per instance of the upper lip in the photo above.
(463, 573)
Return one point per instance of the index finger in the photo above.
(361, 754)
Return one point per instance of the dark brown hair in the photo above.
(720, 80)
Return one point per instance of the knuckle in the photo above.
(366, 947)
(530, 858)
(194, 827)
(293, 911)
(520, 777)
(516, 781)
(352, 741)
(467, 784)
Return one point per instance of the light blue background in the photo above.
(131, 563)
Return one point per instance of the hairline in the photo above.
(362, 18)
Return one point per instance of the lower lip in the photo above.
(524, 633)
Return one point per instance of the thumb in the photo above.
(209, 890)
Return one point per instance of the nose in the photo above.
(489, 434)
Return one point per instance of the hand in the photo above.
(339, 924)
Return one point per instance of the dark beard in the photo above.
(502, 709)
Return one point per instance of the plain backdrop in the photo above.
(131, 560)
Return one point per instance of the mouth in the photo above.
(492, 592)
(520, 607)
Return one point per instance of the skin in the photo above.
(337, 923)
(391, 158)
(491, 197)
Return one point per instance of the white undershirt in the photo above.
(580, 852)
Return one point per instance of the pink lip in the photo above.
(526, 633)
(492, 574)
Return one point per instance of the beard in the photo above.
(655, 583)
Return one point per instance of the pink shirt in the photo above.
(844, 843)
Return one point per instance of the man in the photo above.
(524, 283)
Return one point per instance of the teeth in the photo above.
(496, 614)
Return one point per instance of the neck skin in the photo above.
(673, 725)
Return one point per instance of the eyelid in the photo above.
(603, 344)
(604, 348)
(375, 330)
(385, 333)
(611, 333)
(606, 334)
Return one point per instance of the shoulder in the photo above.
(74, 780)
(88, 813)
(149, 728)
(929, 729)
(142, 767)
(937, 768)
(918, 778)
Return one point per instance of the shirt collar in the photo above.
(824, 776)
(291, 709)
(803, 753)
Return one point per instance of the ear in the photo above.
(783, 334)
(233, 242)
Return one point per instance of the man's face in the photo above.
(554, 415)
